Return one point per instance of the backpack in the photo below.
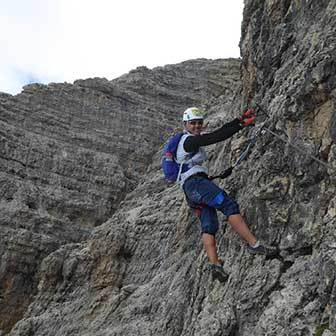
(172, 169)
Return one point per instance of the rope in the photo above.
(289, 143)
(251, 142)
(257, 130)
(298, 149)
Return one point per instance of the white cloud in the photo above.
(64, 40)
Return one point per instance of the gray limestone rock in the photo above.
(70, 154)
(141, 269)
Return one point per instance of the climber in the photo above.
(203, 195)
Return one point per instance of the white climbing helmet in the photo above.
(193, 113)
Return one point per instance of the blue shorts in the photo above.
(205, 197)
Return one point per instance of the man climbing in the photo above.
(204, 196)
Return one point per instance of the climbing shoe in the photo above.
(263, 249)
(218, 272)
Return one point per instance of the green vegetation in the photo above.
(320, 329)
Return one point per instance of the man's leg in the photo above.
(215, 265)
(209, 223)
(238, 224)
(210, 247)
(230, 208)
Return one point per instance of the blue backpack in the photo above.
(169, 165)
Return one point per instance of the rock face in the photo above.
(143, 271)
(289, 68)
(70, 153)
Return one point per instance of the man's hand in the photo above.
(248, 117)
(248, 113)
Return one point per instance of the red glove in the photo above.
(248, 113)
(248, 117)
(249, 121)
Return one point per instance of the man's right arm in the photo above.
(192, 143)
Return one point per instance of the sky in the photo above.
(43, 41)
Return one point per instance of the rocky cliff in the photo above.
(70, 153)
(119, 253)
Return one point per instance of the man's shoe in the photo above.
(263, 249)
(218, 272)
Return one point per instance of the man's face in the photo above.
(194, 126)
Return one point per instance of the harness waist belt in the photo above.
(200, 174)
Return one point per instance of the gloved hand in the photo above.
(248, 117)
